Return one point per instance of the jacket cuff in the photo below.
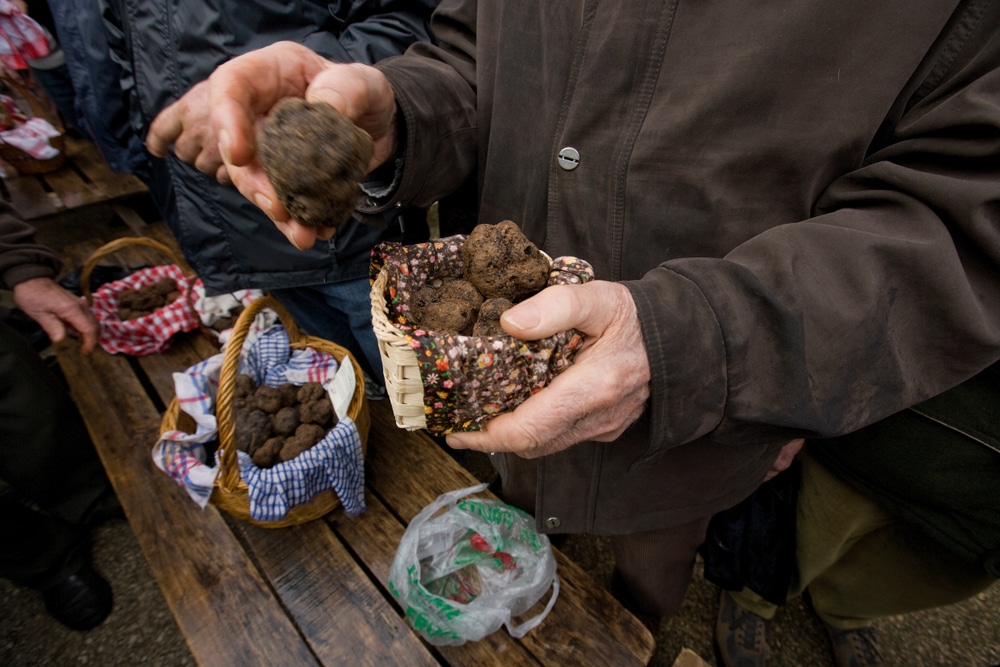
(687, 360)
(19, 274)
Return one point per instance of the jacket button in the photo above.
(552, 523)
(569, 158)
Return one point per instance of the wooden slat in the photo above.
(586, 626)
(30, 198)
(223, 607)
(342, 614)
(84, 179)
(85, 156)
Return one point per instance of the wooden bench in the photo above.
(84, 180)
(314, 594)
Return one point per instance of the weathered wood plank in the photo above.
(223, 607)
(586, 626)
(84, 179)
(30, 198)
(72, 190)
(85, 156)
(342, 614)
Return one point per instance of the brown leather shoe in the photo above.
(855, 648)
(740, 635)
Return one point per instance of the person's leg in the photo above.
(656, 565)
(875, 565)
(338, 312)
(45, 452)
(54, 484)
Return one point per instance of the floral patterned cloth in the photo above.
(471, 379)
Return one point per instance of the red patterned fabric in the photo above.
(21, 38)
(471, 379)
(150, 333)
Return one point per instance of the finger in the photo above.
(164, 130)
(588, 308)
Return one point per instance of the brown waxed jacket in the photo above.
(803, 198)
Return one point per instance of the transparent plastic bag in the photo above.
(466, 566)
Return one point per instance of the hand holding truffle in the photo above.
(598, 397)
(243, 91)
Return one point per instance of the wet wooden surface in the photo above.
(313, 594)
(84, 180)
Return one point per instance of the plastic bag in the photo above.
(466, 566)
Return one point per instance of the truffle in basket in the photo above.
(276, 424)
(136, 303)
(438, 306)
(500, 267)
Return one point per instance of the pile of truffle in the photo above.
(501, 267)
(276, 424)
(136, 303)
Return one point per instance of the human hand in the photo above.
(599, 396)
(239, 94)
(187, 126)
(785, 457)
(54, 308)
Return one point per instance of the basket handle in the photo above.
(229, 471)
(113, 247)
(26, 84)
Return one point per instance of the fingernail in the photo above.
(525, 316)
(264, 203)
(224, 146)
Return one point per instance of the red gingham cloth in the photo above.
(21, 38)
(149, 333)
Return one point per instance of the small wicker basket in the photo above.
(30, 90)
(231, 492)
(112, 247)
(417, 399)
(403, 383)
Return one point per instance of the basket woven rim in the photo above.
(403, 382)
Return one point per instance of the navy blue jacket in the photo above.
(164, 47)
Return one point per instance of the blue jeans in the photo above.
(340, 312)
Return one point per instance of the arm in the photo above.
(29, 269)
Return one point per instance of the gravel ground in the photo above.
(141, 630)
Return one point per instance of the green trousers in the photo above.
(52, 477)
(859, 562)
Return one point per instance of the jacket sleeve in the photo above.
(21, 258)
(887, 296)
(440, 149)
(374, 30)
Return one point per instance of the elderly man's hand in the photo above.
(55, 309)
(598, 397)
(215, 124)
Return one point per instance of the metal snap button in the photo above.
(569, 158)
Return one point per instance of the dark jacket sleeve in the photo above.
(886, 297)
(375, 30)
(21, 258)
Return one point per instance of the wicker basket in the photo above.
(406, 387)
(231, 492)
(41, 106)
(403, 383)
(112, 247)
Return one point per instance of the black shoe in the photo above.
(81, 601)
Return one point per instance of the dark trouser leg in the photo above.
(46, 457)
(655, 565)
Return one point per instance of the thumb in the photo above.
(588, 308)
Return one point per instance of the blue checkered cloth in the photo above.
(335, 463)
